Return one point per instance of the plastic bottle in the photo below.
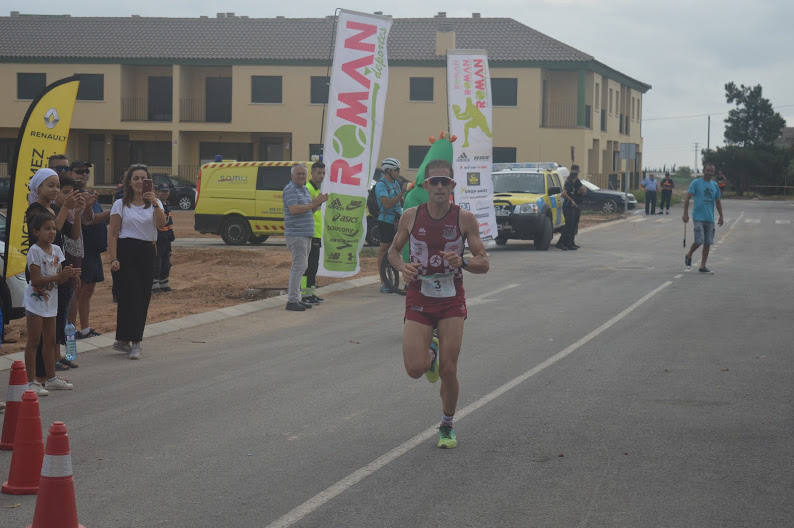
(71, 341)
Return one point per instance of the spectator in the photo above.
(667, 192)
(95, 242)
(134, 220)
(721, 180)
(649, 184)
(298, 231)
(165, 235)
(389, 193)
(309, 295)
(572, 192)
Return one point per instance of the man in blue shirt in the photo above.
(649, 184)
(706, 194)
(389, 193)
(299, 207)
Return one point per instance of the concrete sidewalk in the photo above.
(92, 344)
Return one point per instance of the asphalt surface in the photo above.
(605, 387)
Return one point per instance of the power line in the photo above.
(692, 116)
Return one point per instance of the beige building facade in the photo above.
(175, 113)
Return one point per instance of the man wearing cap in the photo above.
(435, 232)
(389, 193)
(165, 235)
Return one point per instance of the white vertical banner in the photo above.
(471, 120)
(356, 102)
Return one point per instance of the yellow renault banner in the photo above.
(44, 132)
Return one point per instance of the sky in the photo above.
(686, 50)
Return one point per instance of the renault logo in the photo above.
(51, 118)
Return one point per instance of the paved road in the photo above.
(605, 387)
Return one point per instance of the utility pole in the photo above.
(708, 135)
(696, 156)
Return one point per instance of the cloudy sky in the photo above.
(687, 50)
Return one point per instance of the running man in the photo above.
(436, 232)
(706, 195)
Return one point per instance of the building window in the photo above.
(30, 85)
(597, 96)
(610, 100)
(320, 90)
(632, 108)
(504, 92)
(315, 149)
(266, 89)
(416, 155)
(638, 109)
(92, 87)
(504, 154)
(8, 148)
(421, 88)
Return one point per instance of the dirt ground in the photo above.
(204, 279)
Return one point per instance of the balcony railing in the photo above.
(560, 116)
(194, 109)
(138, 109)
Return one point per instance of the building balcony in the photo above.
(565, 115)
(141, 109)
(202, 110)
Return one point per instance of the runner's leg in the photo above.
(416, 343)
(450, 337)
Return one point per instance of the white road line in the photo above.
(782, 221)
(480, 299)
(752, 220)
(678, 276)
(360, 474)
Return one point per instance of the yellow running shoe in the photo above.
(446, 437)
(432, 373)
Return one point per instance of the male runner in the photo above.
(436, 232)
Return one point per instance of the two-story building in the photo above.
(175, 92)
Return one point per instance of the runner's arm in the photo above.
(478, 263)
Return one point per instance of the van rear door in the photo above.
(270, 182)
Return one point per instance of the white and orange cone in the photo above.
(17, 385)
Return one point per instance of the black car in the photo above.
(598, 199)
(183, 193)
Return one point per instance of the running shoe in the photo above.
(135, 351)
(704, 270)
(446, 437)
(38, 388)
(57, 384)
(432, 372)
(122, 346)
(687, 261)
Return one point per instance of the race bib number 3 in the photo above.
(440, 285)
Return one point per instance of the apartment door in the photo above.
(218, 103)
(161, 99)
(96, 155)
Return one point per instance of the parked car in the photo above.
(182, 196)
(598, 199)
(528, 203)
(12, 290)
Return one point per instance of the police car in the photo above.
(528, 202)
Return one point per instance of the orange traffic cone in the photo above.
(55, 505)
(23, 475)
(17, 384)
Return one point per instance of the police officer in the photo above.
(572, 192)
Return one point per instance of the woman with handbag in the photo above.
(134, 221)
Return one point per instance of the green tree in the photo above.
(683, 172)
(753, 123)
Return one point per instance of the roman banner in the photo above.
(356, 102)
(470, 117)
(44, 132)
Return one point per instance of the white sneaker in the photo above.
(38, 388)
(121, 346)
(58, 384)
(135, 351)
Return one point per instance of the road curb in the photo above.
(92, 344)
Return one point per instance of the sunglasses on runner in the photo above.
(440, 180)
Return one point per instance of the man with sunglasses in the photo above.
(436, 232)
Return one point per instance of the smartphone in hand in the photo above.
(148, 185)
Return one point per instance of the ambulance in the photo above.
(242, 200)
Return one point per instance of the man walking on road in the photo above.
(649, 184)
(389, 192)
(298, 231)
(667, 192)
(572, 192)
(706, 194)
(436, 232)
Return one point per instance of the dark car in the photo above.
(598, 199)
(183, 193)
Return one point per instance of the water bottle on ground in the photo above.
(71, 341)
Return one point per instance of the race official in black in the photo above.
(572, 193)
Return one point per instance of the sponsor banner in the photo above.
(44, 132)
(356, 102)
(471, 119)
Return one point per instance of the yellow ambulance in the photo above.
(241, 200)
